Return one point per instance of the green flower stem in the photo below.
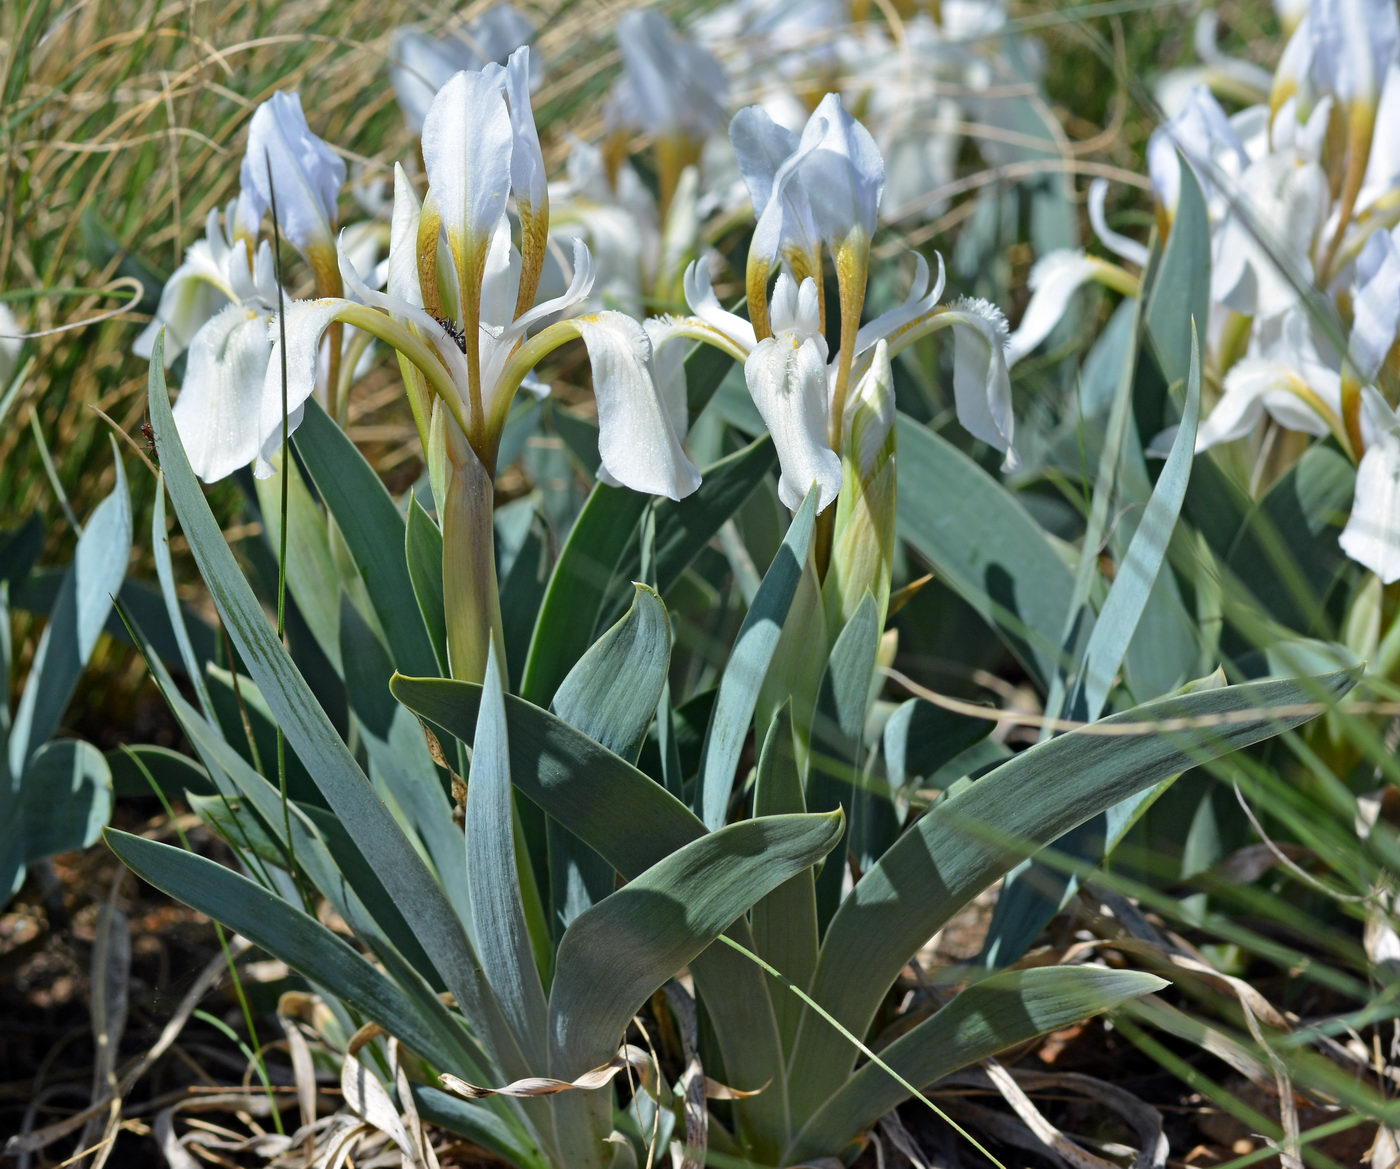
(471, 597)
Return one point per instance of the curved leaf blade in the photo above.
(620, 951)
(989, 1017)
(965, 843)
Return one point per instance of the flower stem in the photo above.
(469, 562)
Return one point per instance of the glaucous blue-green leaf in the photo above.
(523, 562)
(1178, 294)
(578, 588)
(76, 620)
(919, 739)
(987, 1018)
(983, 544)
(747, 666)
(498, 916)
(964, 843)
(1033, 893)
(313, 580)
(1286, 559)
(64, 800)
(620, 951)
(304, 944)
(423, 558)
(173, 772)
(683, 527)
(165, 574)
(312, 736)
(607, 803)
(473, 1120)
(373, 530)
(837, 773)
(784, 923)
(632, 822)
(399, 763)
(612, 691)
(1136, 574)
(611, 695)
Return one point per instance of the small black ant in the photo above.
(455, 331)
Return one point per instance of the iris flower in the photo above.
(815, 195)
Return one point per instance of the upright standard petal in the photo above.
(402, 279)
(527, 175)
(306, 173)
(844, 175)
(1353, 44)
(219, 411)
(761, 146)
(467, 150)
(421, 63)
(671, 87)
(787, 379)
(787, 227)
(1372, 534)
(639, 442)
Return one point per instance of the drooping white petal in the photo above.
(981, 379)
(1253, 386)
(467, 148)
(1119, 245)
(638, 440)
(1054, 279)
(700, 295)
(1372, 534)
(921, 300)
(1376, 322)
(219, 412)
(307, 174)
(844, 176)
(304, 322)
(788, 382)
(668, 375)
(196, 290)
